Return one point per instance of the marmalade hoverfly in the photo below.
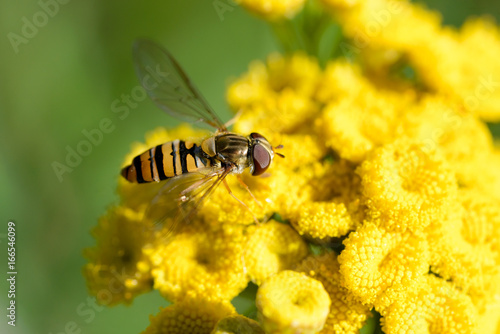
(191, 170)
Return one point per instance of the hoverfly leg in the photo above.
(240, 201)
(248, 189)
(193, 187)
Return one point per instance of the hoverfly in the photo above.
(191, 170)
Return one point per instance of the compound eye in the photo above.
(261, 159)
(255, 135)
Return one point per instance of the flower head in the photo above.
(436, 307)
(469, 255)
(203, 263)
(347, 314)
(276, 98)
(272, 247)
(291, 302)
(407, 185)
(118, 270)
(376, 263)
(190, 315)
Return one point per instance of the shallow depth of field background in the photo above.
(65, 81)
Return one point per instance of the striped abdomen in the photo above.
(165, 161)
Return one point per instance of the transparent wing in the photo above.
(180, 197)
(169, 87)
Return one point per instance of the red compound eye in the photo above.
(261, 159)
(255, 135)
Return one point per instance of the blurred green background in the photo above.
(62, 81)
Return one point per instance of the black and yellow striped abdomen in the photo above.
(165, 161)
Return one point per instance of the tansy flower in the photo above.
(272, 247)
(359, 116)
(323, 220)
(441, 123)
(347, 314)
(277, 97)
(291, 302)
(490, 318)
(468, 252)
(201, 262)
(376, 263)
(445, 59)
(488, 181)
(328, 204)
(406, 185)
(191, 315)
(386, 149)
(118, 270)
(437, 307)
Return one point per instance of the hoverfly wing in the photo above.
(169, 86)
(180, 197)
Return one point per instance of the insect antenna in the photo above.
(280, 146)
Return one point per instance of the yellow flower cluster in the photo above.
(190, 315)
(399, 168)
(460, 64)
(118, 270)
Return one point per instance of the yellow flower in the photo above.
(272, 247)
(439, 122)
(291, 302)
(190, 315)
(375, 263)
(237, 324)
(273, 9)
(323, 220)
(479, 39)
(445, 60)
(407, 185)
(436, 308)
(118, 270)
(359, 116)
(468, 252)
(328, 204)
(488, 180)
(276, 98)
(385, 150)
(205, 263)
(347, 315)
(490, 319)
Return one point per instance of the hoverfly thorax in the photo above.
(233, 149)
(261, 154)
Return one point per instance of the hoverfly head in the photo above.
(262, 154)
